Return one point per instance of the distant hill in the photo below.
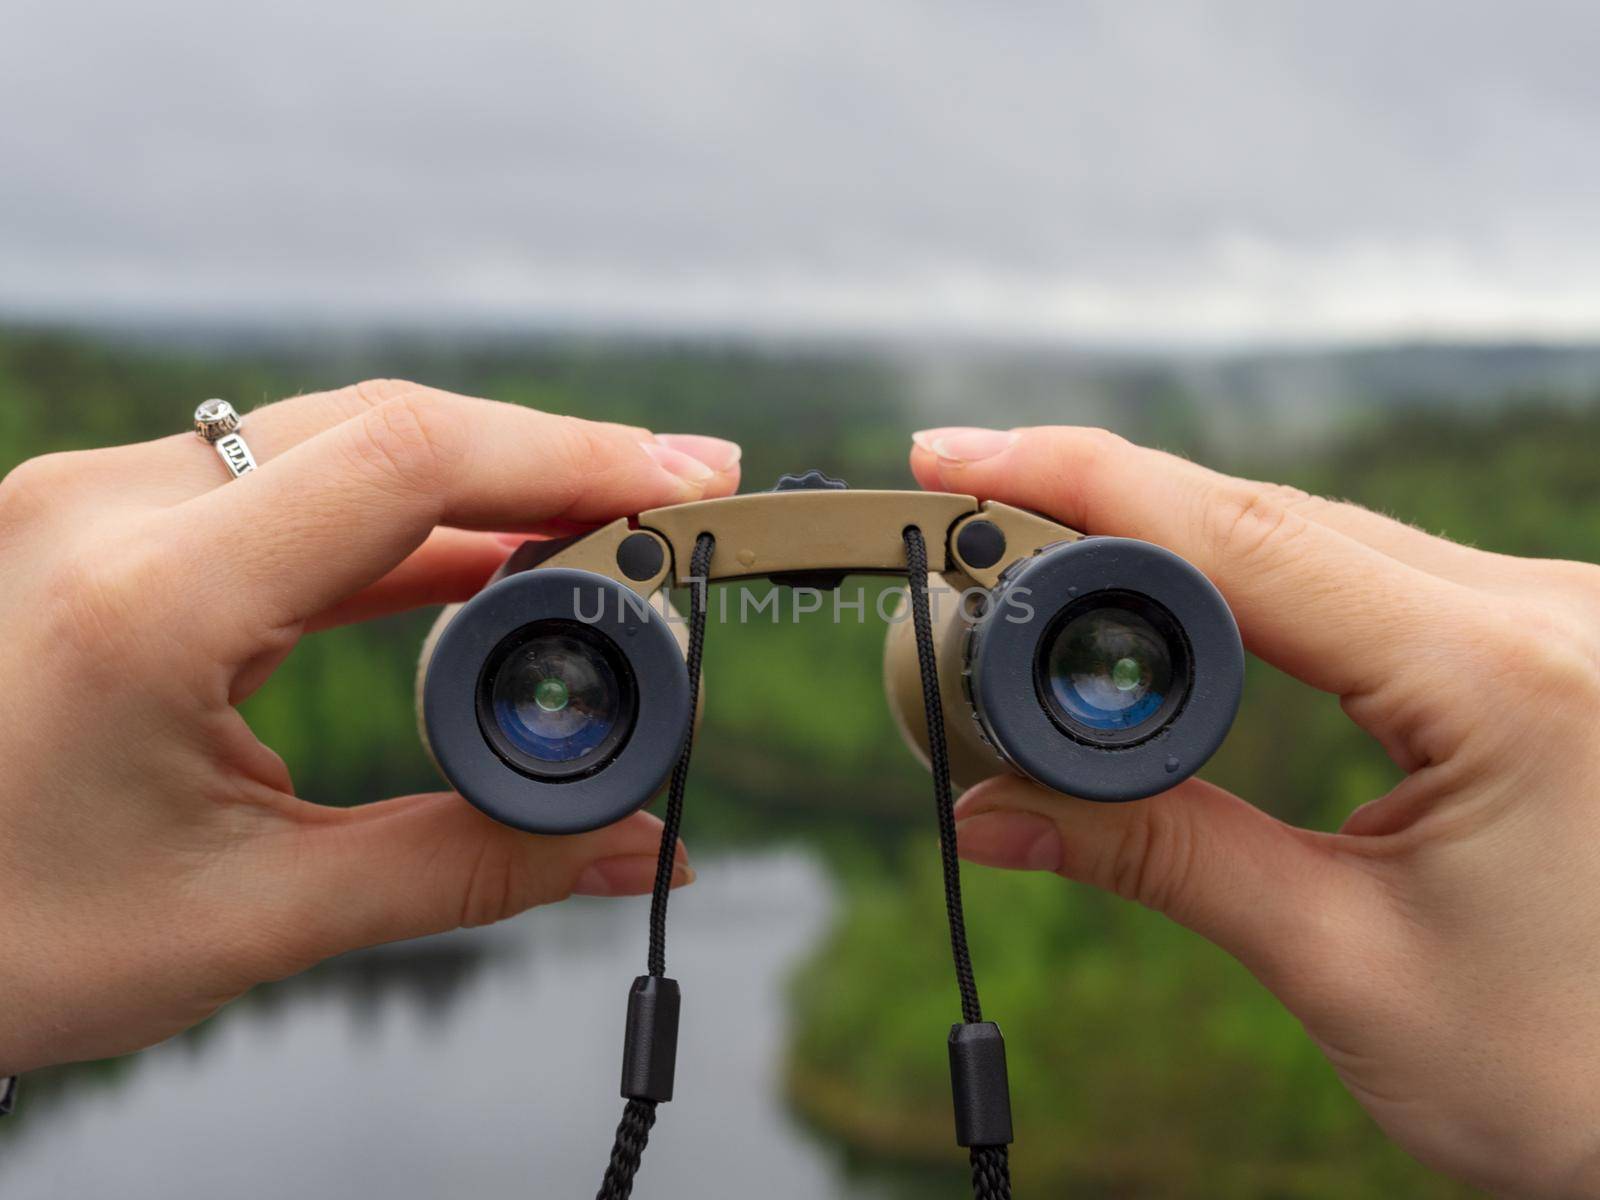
(1213, 400)
(843, 405)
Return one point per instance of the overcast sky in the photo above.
(1075, 171)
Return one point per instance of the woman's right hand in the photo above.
(1444, 947)
(155, 860)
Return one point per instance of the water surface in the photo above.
(483, 1063)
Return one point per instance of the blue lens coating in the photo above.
(556, 698)
(1109, 669)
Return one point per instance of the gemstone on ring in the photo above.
(217, 423)
(215, 420)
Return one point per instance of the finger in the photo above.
(452, 565)
(173, 469)
(1435, 553)
(426, 864)
(1287, 903)
(1482, 570)
(1311, 599)
(339, 511)
(1407, 543)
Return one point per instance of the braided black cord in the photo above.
(991, 1171)
(633, 1131)
(699, 568)
(939, 762)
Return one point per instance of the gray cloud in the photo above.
(1096, 170)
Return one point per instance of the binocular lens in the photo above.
(1113, 669)
(555, 701)
(557, 696)
(1135, 663)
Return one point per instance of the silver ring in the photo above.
(217, 423)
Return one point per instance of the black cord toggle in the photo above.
(979, 1085)
(650, 1047)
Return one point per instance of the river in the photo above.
(482, 1063)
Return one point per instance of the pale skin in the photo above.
(1443, 948)
(156, 862)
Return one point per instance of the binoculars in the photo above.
(557, 700)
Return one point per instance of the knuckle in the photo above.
(411, 440)
(351, 401)
(1542, 651)
(38, 483)
(1253, 522)
(372, 393)
(1150, 862)
(1098, 438)
(1295, 500)
(580, 453)
(492, 893)
(583, 445)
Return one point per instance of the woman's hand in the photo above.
(1444, 948)
(154, 860)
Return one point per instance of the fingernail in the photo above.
(629, 875)
(972, 445)
(1015, 841)
(716, 453)
(924, 439)
(676, 462)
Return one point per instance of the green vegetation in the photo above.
(1143, 1061)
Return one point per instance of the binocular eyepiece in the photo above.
(558, 699)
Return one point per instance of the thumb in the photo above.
(426, 864)
(1280, 899)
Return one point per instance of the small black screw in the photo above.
(981, 544)
(640, 556)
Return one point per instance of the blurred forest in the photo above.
(1141, 1057)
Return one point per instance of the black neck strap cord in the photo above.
(650, 1049)
(977, 1054)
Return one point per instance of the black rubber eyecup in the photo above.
(645, 753)
(1005, 651)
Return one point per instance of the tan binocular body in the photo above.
(814, 537)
